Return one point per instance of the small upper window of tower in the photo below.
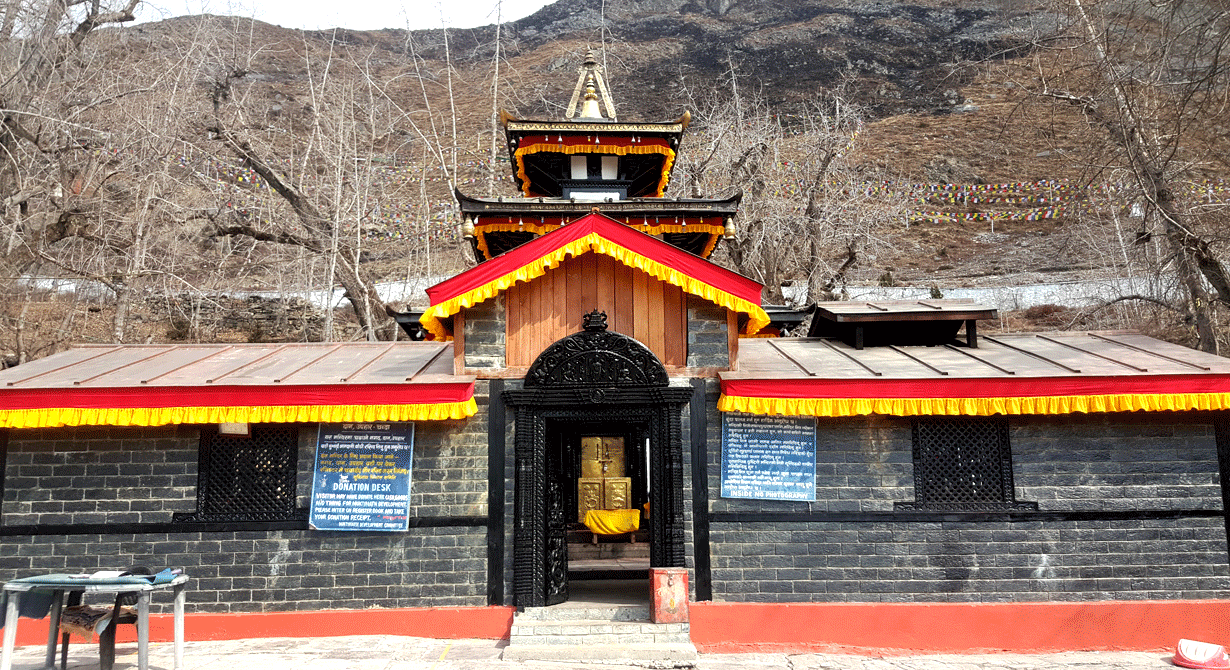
(610, 167)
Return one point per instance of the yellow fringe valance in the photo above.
(53, 417)
(1082, 404)
(757, 318)
(431, 319)
(667, 153)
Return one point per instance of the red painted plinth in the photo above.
(958, 627)
(492, 623)
(670, 594)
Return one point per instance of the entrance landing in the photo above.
(603, 621)
(584, 594)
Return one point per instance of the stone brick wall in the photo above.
(707, 343)
(255, 571)
(450, 464)
(862, 465)
(1102, 463)
(970, 562)
(485, 333)
(99, 475)
(126, 476)
(1115, 462)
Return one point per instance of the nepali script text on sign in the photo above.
(768, 457)
(362, 476)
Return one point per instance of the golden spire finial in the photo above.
(585, 97)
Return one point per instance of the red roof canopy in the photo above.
(599, 234)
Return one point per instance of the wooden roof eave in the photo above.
(473, 206)
(515, 128)
(671, 130)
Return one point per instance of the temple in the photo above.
(593, 403)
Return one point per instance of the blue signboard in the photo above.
(362, 476)
(768, 457)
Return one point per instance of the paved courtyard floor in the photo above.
(386, 652)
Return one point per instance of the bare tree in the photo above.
(810, 212)
(74, 199)
(330, 183)
(1154, 79)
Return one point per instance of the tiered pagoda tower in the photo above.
(564, 169)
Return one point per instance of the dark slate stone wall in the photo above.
(485, 333)
(116, 476)
(1102, 463)
(707, 343)
(1124, 461)
(254, 571)
(99, 475)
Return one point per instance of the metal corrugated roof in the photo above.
(180, 365)
(1015, 356)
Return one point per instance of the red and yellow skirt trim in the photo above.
(976, 397)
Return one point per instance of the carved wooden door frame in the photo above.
(594, 376)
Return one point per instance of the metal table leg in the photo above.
(180, 597)
(106, 639)
(53, 627)
(10, 631)
(143, 631)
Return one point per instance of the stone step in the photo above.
(597, 632)
(672, 655)
(587, 613)
(587, 551)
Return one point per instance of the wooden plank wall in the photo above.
(636, 304)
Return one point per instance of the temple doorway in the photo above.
(598, 425)
(603, 472)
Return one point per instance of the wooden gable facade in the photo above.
(550, 308)
(511, 308)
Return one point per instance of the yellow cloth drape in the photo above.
(432, 317)
(613, 521)
(1081, 404)
(52, 417)
(715, 232)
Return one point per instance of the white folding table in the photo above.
(59, 585)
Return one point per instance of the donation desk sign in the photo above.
(768, 457)
(362, 476)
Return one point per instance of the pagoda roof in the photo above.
(601, 234)
(516, 127)
(692, 224)
(727, 206)
(535, 146)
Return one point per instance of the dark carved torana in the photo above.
(592, 376)
(596, 358)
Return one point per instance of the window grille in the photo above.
(963, 464)
(247, 478)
